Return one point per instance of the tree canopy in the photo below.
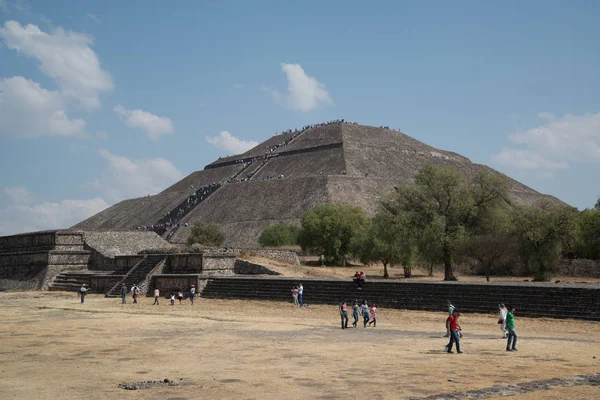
(206, 234)
(330, 229)
(281, 234)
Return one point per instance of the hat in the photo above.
(448, 302)
(501, 305)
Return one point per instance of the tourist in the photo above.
(300, 290)
(295, 295)
(172, 299)
(123, 294)
(355, 311)
(355, 279)
(455, 333)
(364, 310)
(192, 294)
(344, 314)
(373, 316)
(82, 292)
(156, 296)
(451, 309)
(136, 293)
(180, 296)
(511, 343)
(502, 319)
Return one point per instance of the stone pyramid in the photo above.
(281, 178)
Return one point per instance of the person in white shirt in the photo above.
(502, 319)
(300, 290)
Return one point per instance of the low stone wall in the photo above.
(34, 241)
(124, 263)
(168, 284)
(218, 264)
(189, 263)
(283, 255)
(579, 268)
(248, 268)
(103, 283)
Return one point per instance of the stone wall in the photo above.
(282, 255)
(189, 263)
(145, 286)
(248, 268)
(218, 264)
(168, 284)
(103, 283)
(124, 263)
(25, 242)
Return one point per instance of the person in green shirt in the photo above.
(511, 344)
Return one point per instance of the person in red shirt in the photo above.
(454, 332)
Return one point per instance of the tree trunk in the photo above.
(447, 254)
(385, 271)
(407, 272)
(431, 268)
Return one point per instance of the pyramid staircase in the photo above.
(137, 274)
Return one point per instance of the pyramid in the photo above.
(281, 178)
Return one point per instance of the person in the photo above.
(123, 294)
(172, 299)
(356, 278)
(502, 319)
(355, 309)
(295, 295)
(344, 314)
(373, 316)
(180, 296)
(300, 290)
(156, 296)
(82, 292)
(364, 310)
(361, 279)
(451, 309)
(454, 331)
(135, 293)
(511, 343)
(192, 294)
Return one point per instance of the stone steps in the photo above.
(137, 274)
(553, 302)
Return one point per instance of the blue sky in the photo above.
(101, 101)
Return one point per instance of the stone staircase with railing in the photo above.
(531, 300)
(72, 281)
(137, 274)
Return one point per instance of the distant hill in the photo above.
(281, 178)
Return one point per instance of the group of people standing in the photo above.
(506, 320)
(369, 315)
(179, 296)
(297, 292)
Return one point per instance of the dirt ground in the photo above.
(53, 347)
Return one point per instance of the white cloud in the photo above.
(554, 144)
(93, 17)
(47, 215)
(65, 56)
(153, 125)
(230, 143)
(304, 92)
(17, 194)
(28, 111)
(101, 135)
(125, 178)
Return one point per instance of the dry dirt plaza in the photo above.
(53, 347)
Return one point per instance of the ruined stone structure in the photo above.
(32, 261)
(339, 162)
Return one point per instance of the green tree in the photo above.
(206, 234)
(280, 234)
(388, 240)
(330, 229)
(444, 203)
(589, 225)
(544, 232)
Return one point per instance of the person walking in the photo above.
(355, 311)
(344, 314)
(502, 311)
(364, 310)
(123, 294)
(82, 292)
(180, 296)
(135, 292)
(451, 309)
(300, 290)
(172, 299)
(156, 296)
(454, 331)
(192, 294)
(373, 316)
(511, 343)
(295, 295)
